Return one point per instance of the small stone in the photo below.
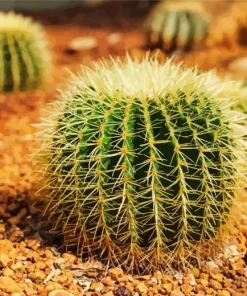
(142, 288)
(122, 291)
(60, 293)
(215, 284)
(2, 228)
(30, 292)
(69, 257)
(186, 288)
(33, 243)
(107, 281)
(204, 276)
(177, 293)
(8, 285)
(195, 272)
(116, 273)
(4, 260)
(157, 275)
(96, 286)
(5, 246)
(224, 293)
(49, 254)
(211, 291)
(37, 277)
(218, 277)
(51, 286)
(204, 282)
(110, 293)
(40, 265)
(238, 65)
(8, 272)
(82, 44)
(113, 38)
(168, 287)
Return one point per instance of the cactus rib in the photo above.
(144, 158)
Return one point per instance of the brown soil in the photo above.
(32, 256)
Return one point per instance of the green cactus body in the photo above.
(173, 28)
(24, 54)
(142, 159)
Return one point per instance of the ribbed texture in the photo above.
(24, 55)
(173, 28)
(142, 176)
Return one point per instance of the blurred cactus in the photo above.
(25, 56)
(141, 160)
(176, 25)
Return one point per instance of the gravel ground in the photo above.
(34, 259)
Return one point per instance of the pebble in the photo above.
(82, 44)
(60, 293)
(238, 65)
(8, 285)
(116, 273)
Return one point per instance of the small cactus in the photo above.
(24, 54)
(141, 160)
(176, 25)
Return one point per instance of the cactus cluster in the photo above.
(176, 25)
(25, 57)
(141, 160)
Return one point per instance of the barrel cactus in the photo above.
(25, 56)
(176, 25)
(141, 159)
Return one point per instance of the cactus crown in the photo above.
(142, 159)
(25, 56)
(176, 25)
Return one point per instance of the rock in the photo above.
(109, 294)
(177, 293)
(142, 288)
(168, 287)
(51, 286)
(122, 291)
(218, 277)
(82, 44)
(113, 38)
(215, 284)
(107, 281)
(96, 286)
(116, 273)
(8, 272)
(186, 289)
(5, 246)
(224, 293)
(157, 275)
(195, 272)
(2, 228)
(8, 285)
(238, 65)
(4, 260)
(40, 265)
(70, 258)
(30, 292)
(60, 293)
(37, 277)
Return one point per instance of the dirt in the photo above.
(33, 257)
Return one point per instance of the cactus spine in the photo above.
(24, 54)
(176, 25)
(142, 160)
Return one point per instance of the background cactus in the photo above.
(24, 54)
(141, 160)
(176, 25)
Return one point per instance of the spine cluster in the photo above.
(24, 54)
(172, 26)
(142, 160)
